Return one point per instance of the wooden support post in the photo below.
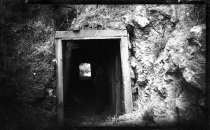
(58, 44)
(111, 72)
(127, 94)
(117, 82)
(67, 69)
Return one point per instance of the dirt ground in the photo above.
(83, 114)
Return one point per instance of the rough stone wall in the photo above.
(167, 56)
(27, 72)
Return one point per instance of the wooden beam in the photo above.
(88, 38)
(68, 51)
(127, 94)
(90, 34)
(113, 89)
(59, 59)
(117, 83)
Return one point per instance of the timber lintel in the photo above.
(90, 34)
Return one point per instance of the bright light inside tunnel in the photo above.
(85, 70)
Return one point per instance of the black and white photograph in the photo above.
(71, 65)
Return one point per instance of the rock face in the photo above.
(27, 68)
(167, 56)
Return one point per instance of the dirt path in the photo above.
(85, 115)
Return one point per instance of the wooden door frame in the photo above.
(121, 35)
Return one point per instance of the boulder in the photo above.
(141, 21)
(197, 30)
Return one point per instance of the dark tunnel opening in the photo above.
(94, 96)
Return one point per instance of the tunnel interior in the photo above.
(92, 75)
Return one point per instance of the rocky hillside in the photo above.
(167, 56)
(27, 73)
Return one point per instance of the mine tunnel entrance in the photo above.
(92, 79)
(93, 76)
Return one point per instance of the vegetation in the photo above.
(27, 72)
